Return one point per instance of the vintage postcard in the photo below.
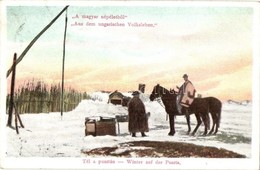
(129, 84)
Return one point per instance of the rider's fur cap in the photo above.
(185, 75)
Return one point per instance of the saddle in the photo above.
(180, 109)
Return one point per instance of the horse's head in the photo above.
(158, 91)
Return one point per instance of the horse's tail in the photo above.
(208, 118)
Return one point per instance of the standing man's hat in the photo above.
(135, 93)
(185, 75)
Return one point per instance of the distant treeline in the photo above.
(37, 97)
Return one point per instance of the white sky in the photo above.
(213, 45)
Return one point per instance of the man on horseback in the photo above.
(186, 95)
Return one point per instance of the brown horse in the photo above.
(200, 107)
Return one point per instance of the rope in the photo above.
(63, 62)
(160, 102)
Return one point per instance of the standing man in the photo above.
(137, 116)
(186, 95)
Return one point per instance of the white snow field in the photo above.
(50, 135)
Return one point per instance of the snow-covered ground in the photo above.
(49, 135)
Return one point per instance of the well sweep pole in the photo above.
(34, 40)
(63, 65)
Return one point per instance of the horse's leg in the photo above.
(213, 116)
(198, 123)
(185, 110)
(205, 118)
(188, 123)
(217, 122)
(172, 128)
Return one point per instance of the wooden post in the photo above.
(17, 116)
(11, 103)
(118, 128)
(16, 126)
(20, 120)
(63, 65)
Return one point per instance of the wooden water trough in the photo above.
(101, 127)
(105, 125)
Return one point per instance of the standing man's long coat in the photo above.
(137, 116)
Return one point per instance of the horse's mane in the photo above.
(159, 88)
